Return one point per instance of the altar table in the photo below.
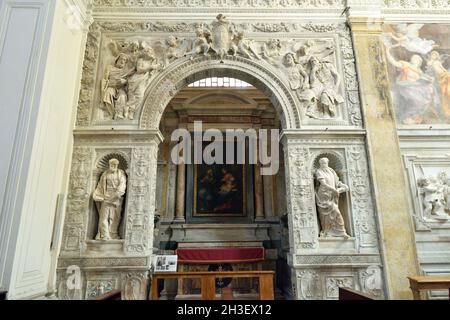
(208, 281)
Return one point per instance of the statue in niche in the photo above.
(271, 51)
(433, 198)
(243, 46)
(138, 82)
(109, 198)
(325, 81)
(114, 86)
(327, 196)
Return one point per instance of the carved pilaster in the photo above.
(74, 233)
(303, 233)
(141, 200)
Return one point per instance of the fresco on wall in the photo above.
(419, 71)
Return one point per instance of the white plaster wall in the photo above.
(28, 264)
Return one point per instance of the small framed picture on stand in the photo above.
(165, 263)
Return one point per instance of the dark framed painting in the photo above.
(219, 190)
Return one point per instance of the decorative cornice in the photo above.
(80, 12)
(366, 25)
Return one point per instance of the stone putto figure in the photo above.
(109, 198)
(202, 43)
(327, 197)
(433, 198)
(271, 51)
(243, 46)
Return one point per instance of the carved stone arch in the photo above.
(186, 71)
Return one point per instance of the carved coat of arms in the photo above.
(221, 36)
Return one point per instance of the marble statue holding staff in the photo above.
(327, 196)
(109, 198)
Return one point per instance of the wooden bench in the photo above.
(420, 283)
(208, 281)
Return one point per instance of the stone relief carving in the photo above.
(125, 81)
(434, 194)
(309, 282)
(95, 288)
(300, 198)
(141, 203)
(136, 62)
(328, 189)
(416, 4)
(271, 51)
(223, 3)
(371, 281)
(78, 200)
(362, 206)
(135, 286)
(334, 283)
(109, 198)
(315, 79)
(66, 293)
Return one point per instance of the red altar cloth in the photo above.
(220, 255)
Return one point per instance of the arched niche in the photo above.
(101, 165)
(338, 164)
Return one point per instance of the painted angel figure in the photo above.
(442, 75)
(408, 37)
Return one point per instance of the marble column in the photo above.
(259, 198)
(181, 187)
(397, 232)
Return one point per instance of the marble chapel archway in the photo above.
(317, 266)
